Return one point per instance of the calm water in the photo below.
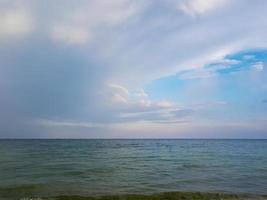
(89, 167)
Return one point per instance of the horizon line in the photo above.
(133, 138)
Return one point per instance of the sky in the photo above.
(133, 69)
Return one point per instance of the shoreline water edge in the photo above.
(156, 196)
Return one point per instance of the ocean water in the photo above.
(96, 167)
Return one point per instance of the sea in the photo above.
(51, 167)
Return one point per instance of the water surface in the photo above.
(93, 167)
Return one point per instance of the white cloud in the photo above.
(15, 22)
(118, 93)
(178, 43)
(122, 107)
(141, 93)
(258, 66)
(109, 12)
(119, 89)
(196, 7)
(165, 104)
(226, 62)
(81, 24)
(71, 34)
(209, 70)
(197, 73)
(65, 123)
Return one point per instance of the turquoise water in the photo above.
(93, 167)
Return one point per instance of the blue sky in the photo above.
(133, 69)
